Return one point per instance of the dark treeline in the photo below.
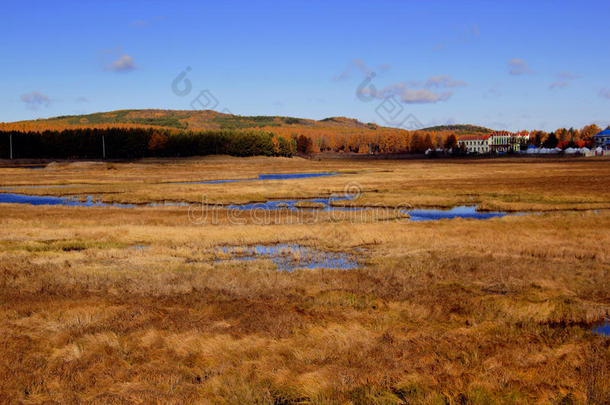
(127, 143)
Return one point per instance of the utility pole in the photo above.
(103, 147)
(10, 137)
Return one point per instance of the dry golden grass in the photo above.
(453, 311)
(513, 184)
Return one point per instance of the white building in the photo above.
(499, 141)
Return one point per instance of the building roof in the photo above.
(605, 132)
(496, 133)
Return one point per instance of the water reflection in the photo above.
(289, 257)
(280, 176)
(313, 204)
(463, 211)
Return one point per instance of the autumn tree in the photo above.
(157, 142)
(428, 142)
(562, 134)
(551, 141)
(451, 142)
(588, 132)
(416, 143)
(276, 145)
(304, 144)
(537, 137)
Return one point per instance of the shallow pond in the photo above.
(314, 204)
(603, 329)
(280, 176)
(464, 211)
(9, 198)
(49, 200)
(322, 204)
(289, 257)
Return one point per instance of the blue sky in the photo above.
(506, 65)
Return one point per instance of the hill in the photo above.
(460, 129)
(163, 129)
(209, 119)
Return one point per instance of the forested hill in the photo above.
(209, 119)
(460, 129)
(139, 133)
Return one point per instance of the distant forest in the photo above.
(126, 143)
(145, 133)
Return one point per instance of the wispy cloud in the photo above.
(414, 92)
(558, 85)
(462, 36)
(421, 96)
(492, 93)
(517, 66)
(407, 94)
(383, 67)
(354, 64)
(604, 93)
(567, 75)
(444, 81)
(123, 64)
(359, 65)
(81, 99)
(139, 23)
(115, 60)
(35, 100)
(564, 79)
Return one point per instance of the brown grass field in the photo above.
(132, 305)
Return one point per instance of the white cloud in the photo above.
(115, 60)
(124, 64)
(410, 92)
(421, 96)
(444, 81)
(407, 94)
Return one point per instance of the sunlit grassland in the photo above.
(509, 184)
(114, 305)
